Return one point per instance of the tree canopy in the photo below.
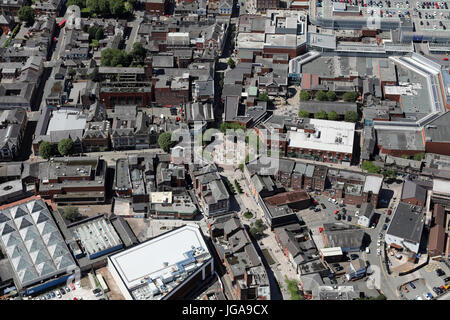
(320, 95)
(370, 167)
(351, 116)
(65, 146)
(419, 156)
(46, 150)
(263, 97)
(26, 14)
(303, 114)
(116, 57)
(333, 116)
(165, 141)
(304, 95)
(350, 96)
(331, 96)
(320, 115)
(70, 213)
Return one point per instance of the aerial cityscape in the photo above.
(218, 150)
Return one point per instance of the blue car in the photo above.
(48, 296)
(384, 226)
(349, 218)
(412, 285)
(52, 294)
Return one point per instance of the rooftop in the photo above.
(162, 263)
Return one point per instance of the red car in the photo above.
(336, 211)
(315, 202)
(389, 212)
(445, 59)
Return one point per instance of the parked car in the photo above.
(437, 290)
(384, 226)
(412, 285)
(96, 290)
(62, 291)
(72, 286)
(323, 206)
(336, 265)
(316, 209)
(67, 289)
(48, 296)
(447, 279)
(52, 294)
(389, 212)
(405, 288)
(349, 218)
(367, 250)
(58, 294)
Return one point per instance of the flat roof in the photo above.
(334, 136)
(97, 235)
(66, 119)
(407, 223)
(161, 197)
(158, 256)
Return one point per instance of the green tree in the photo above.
(46, 150)
(350, 96)
(320, 95)
(230, 125)
(351, 116)
(303, 114)
(65, 147)
(333, 116)
(304, 95)
(390, 173)
(93, 6)
(165, 141)
(405, 156)
(331, 96)
(419, 156)
(370, 167)
(256, 230)
(116, 7)
(79, 3)
(320, 115)
(231, 63)
(138, 53)
(70, 213)
(293, 289)
(26, 14)
(114, 58)
(263, 97)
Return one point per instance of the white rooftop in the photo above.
(158, 256)
(66, 119)
(441, 186)
(373, 184)
(334, 136)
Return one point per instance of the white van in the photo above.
(367, 250)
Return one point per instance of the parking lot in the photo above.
(429, 16)
(80, 291)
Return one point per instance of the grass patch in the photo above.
(248, 215)
(293, 289)
(268, 257)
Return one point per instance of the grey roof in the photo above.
(366, 210)
(339, 107)
(162, 61)
(438, 130)
(232, 90)
(407, 223)
(198, 111)
(343, 235)
(413, 190)
(401, 140)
